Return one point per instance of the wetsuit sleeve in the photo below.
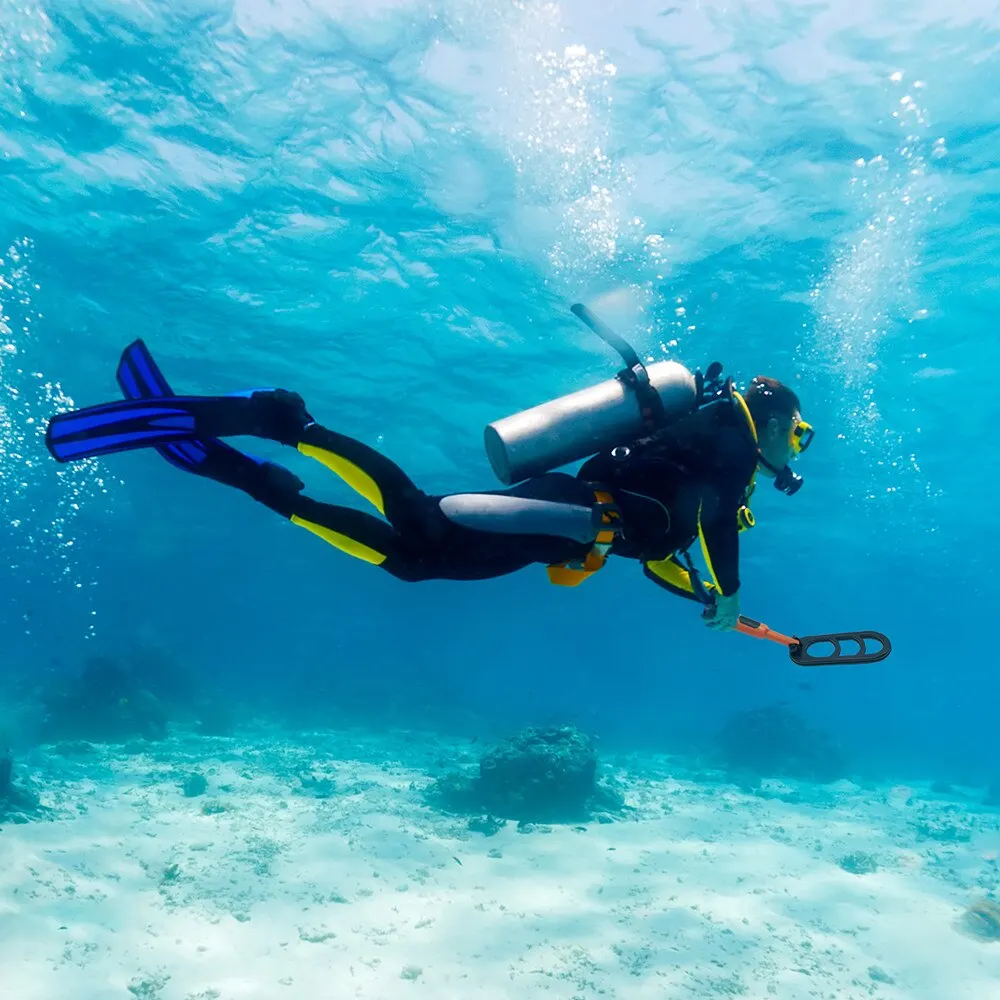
(720, 544)
(719, 504)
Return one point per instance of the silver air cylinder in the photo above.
(581, 424)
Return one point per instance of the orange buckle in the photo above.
(573, 574)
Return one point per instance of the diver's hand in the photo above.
(724, 615)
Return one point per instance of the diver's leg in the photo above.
(433, 546)
(442, 546)
(544, 520)
(274, 414)
(556, 505)
(353, 532)
(368, 472)
(280, 415)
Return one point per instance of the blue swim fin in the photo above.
(151, 416)
(114, 427)
(140, 377)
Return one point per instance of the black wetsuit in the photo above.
(699, 469)
(691, 477)
(646, 500)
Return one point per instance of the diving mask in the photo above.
(799, 439)
(800, 436)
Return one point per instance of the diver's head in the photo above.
(781, 432)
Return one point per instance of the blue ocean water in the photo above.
(390, 208)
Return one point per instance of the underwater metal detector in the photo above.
(799, 646)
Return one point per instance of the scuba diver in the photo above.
(671, 459)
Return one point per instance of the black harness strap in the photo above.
(700, 590)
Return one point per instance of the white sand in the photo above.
(704, 891)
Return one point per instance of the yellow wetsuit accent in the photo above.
(671, 572)
(750, 488)
(746, 413)
(753, 431)
(706, 553)
(342, 542)
(355, 477)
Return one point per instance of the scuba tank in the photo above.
(638, 400)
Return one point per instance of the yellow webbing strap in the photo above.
(573, 574)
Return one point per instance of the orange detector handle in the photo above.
(760, 631)
(799, 648)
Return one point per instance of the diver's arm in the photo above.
(720, 499)
(720, 545)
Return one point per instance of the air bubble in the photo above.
(40, 535)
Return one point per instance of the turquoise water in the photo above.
(391, 213)
(390, 208)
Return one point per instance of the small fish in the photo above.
(475, 739)
(805, 686)
(457, 862)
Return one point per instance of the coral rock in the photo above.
(982, 920)
(541, 775)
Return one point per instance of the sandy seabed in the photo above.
(314, 869)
